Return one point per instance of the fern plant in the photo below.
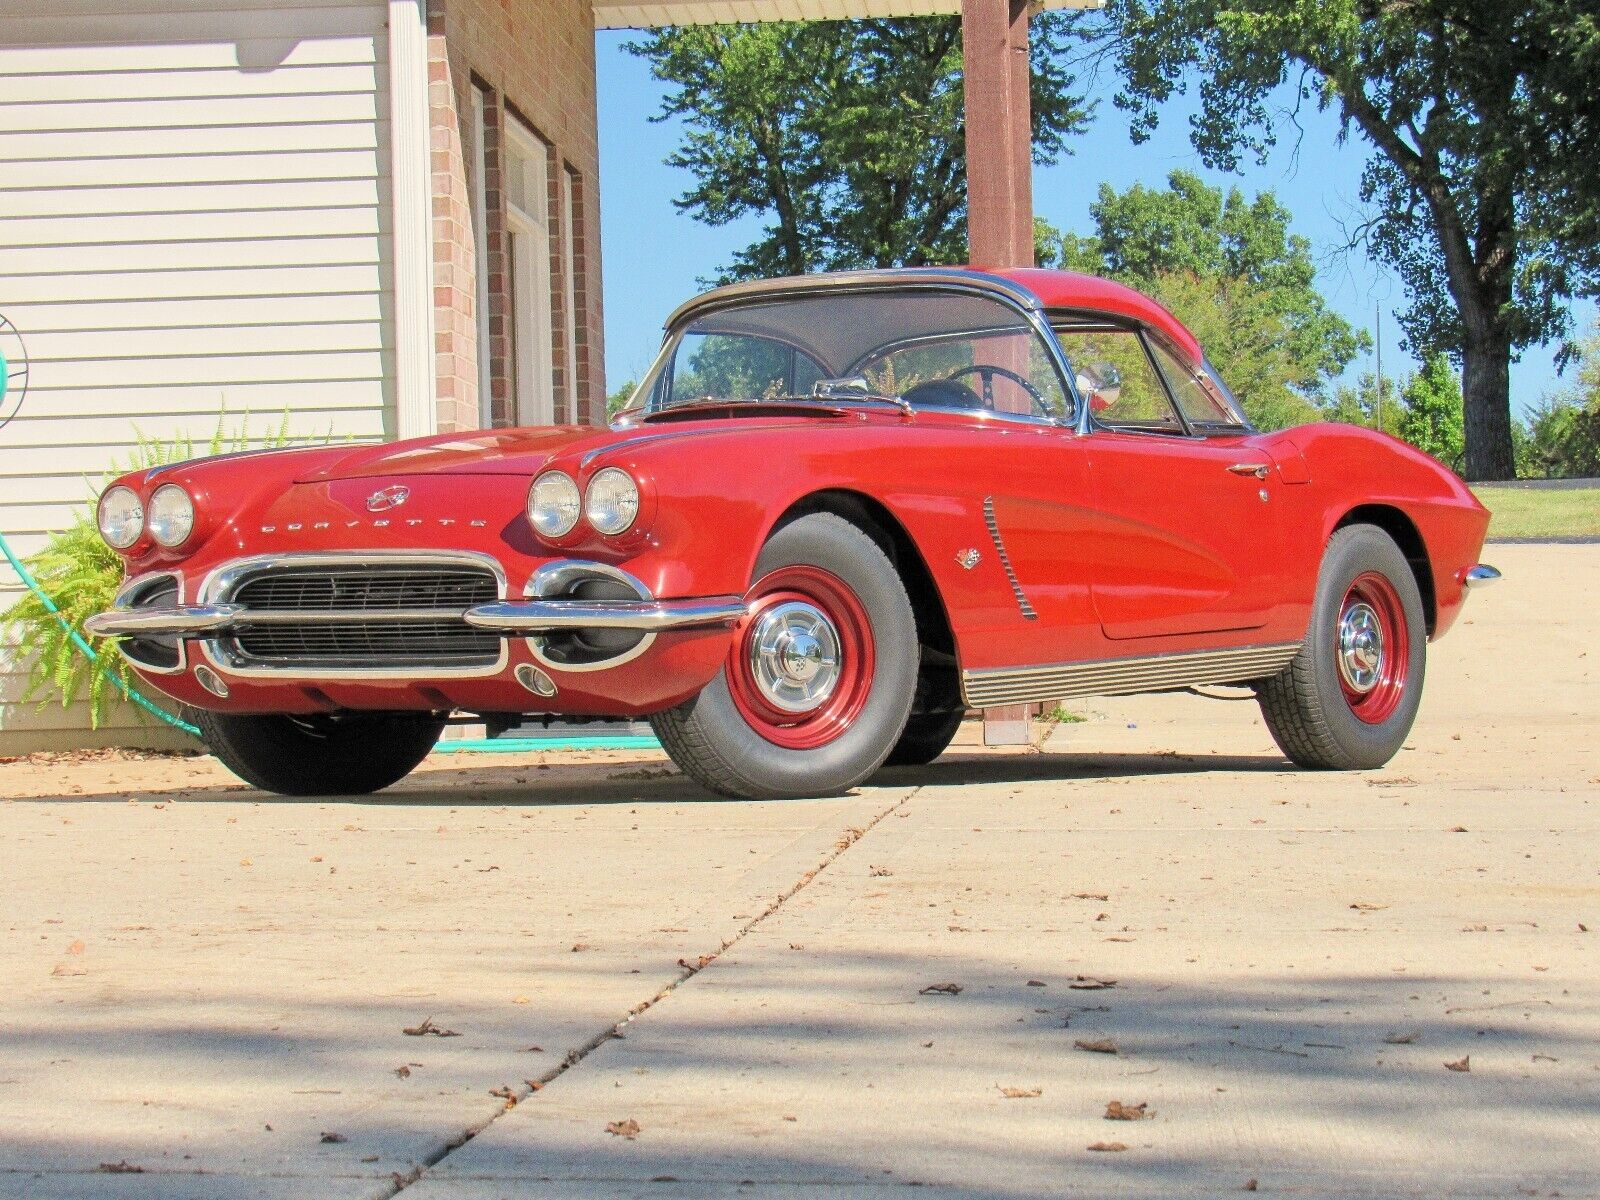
(81, 575)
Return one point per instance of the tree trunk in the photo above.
(1486, 401)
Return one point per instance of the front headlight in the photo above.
(554, 504)
(120, 517)
(612, 501)
(171, 518)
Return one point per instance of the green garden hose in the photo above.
(82, 643)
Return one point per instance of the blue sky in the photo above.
(653, 254)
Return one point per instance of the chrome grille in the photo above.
(370, 588)
(413, 622)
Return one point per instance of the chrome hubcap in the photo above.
(1360, 647)
(794, 656)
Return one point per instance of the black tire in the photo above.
(345, 755)
(715, 743)
(1307, 708)
(925, 737)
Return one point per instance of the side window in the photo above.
(1200, 405)
(1115, 377)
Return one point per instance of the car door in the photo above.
(1188, 535)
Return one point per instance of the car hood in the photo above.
(478, 452)
(512, 451)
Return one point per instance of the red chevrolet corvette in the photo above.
(842, 510)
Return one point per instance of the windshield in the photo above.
(927, 348)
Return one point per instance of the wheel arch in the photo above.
(1408, 537)
(879, 522)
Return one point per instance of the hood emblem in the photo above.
(387, 498)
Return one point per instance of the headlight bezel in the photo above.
(628, 505)
(135, 521)
(152, 515)
(534, 507)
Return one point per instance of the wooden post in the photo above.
(994, 41)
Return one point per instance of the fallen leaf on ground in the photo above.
(579, 947)
(1107, 1147)
(1098, 1046)
(120, 1168)
(1362, 906)
(1090, 896)
(941, 989)
(533, 1049)
(1118, 1111)
(331, 1138)
(403, 1072)
(698, 964)
(1461, 1064)
(880, 872)
(1085, 983)
(627, 1129)
(1401, 1039)
(1458, 829)
(505, 1093)
(1016, 1093)
(1036, 983)
(428, 1027)
(1544, 1058)
(1250, 1185)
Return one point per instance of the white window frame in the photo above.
(480, 244)
(528, 270)
(569, 225)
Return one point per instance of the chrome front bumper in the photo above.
(513, 618)
(1479, 576)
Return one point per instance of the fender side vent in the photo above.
(1005, 560)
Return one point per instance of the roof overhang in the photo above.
(647, 14)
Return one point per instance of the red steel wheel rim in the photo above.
(801, 666)
(1372, 648)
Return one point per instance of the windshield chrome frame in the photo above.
(1011, 295)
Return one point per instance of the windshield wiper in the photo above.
(858, 389)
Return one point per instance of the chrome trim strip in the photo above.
(534, 616)
(828, 281)
(220, 584)
(995, 686)
(1005, 560)
(1479, 576)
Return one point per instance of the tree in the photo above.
(1564, 429)
(1432, 417)
(1481, 120)
(846, 136)
(1233, 273)
(1368, 404)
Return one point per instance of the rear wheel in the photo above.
(819, 679)
(926, 736)
(345, 754)
(1348, 699)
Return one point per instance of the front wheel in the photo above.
(819, 679)
(1347, 700)
(345, 754)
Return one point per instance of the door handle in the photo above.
(1259, 470)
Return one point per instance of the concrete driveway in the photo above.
(584, 979)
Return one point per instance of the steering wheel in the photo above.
(986, 373)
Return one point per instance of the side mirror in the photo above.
(1101, 384)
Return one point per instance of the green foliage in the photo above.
(1481, 185)
(81, 574)
(845, 136)
(618, 400)
(1231, 271)
(1563, 435)
(1432, 419)
(1367, 404)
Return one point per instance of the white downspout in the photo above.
(411, 186)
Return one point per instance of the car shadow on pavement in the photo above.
(654, 780)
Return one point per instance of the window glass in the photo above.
(1195, 396)
(936, 349)
(1114, 375)
(739, 367)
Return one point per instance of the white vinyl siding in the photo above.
(195, 219)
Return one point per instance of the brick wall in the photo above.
(534, 58)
